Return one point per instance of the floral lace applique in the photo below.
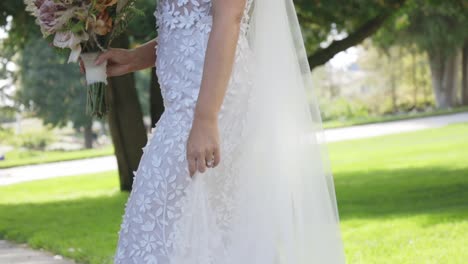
(152, 225)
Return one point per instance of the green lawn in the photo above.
(389, 118)
(402, 199)
(20, 157)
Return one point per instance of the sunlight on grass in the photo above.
(402, 199)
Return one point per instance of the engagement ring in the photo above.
(209, 163)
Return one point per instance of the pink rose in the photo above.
(69, 39)
(49, 13)
(38, 3)
(72, 41)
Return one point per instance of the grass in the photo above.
(20, 157)
(75, 216)
(402, 199)
(389, 118)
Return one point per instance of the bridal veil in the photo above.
(285, 209)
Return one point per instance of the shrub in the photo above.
(34, 140)
(6, 135)
(7, 114)
(341, 108)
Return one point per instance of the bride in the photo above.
(235, 171)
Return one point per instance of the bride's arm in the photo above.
(219, 58)
(145, 55)
(203, 142)
(123, 61)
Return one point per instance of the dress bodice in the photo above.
(182, 13)
(187, 14)
(183, 32)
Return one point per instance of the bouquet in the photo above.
(86, 27)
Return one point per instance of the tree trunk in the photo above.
(393, 91)
(156, 100)
(125, 122)
(88, 135)
(443, 75)
(465, 74)
(415, 83)
(393, 81)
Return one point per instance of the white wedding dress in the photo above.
(223, 216)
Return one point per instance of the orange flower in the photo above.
(102, 24)
(101, 5)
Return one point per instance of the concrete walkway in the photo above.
(12, 253)
(95, 165)
(57, 169)
(394, 127)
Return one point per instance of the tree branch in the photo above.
(367, 29)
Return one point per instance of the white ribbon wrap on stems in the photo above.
(94, 73)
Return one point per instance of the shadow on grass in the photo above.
(434, 191)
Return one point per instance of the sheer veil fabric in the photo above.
(282, 206)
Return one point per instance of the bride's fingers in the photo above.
(201, 162)
(104, 56)
(192, 164)
(209, 157)
(217, 157)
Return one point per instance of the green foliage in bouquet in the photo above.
(123, 18)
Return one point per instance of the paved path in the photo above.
(12, 253)
(57, 169)
(93, 165)
(394, 127)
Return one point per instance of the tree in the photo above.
(125, 120)
(51, 88)
(351, 23)
(141, 30)
(465, 73)
(10, 46)
(439, 29)
(41, 72)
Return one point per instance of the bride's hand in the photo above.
(119, 61)
(203, 145)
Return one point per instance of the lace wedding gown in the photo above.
(271, 199)
(148, 229)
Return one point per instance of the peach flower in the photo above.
(102, 24)
(101, 5)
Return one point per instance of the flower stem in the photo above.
(96, 105)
